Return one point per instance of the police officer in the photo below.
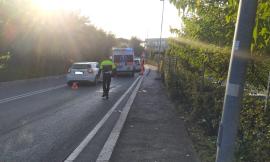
(107, 68)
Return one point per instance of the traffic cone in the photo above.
(75, 85)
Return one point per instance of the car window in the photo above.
(81, 66)
(117, 58)
(137, 62)
(129, 58)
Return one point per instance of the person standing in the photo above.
(107, 69)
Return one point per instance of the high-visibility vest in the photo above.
(107, 66)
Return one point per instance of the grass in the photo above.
(204, 145)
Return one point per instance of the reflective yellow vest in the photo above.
(107, 66)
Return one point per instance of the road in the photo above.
(45, 120)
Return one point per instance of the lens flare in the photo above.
(49, 5)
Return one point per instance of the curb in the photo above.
(111, 142)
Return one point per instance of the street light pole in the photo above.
(161, 27)
(267, 94)
(236, 79)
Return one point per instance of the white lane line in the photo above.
(93, 132)
(108, 147)
(30, 94)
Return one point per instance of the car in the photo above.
(137, 64)
(83, 72)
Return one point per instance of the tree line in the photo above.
(35, 43)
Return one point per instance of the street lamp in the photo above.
(161, 26)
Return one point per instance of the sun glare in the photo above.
(49, 5)
(122, 17)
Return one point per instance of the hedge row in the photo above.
(195, 75)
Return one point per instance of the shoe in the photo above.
(103, 95)
(107, 97)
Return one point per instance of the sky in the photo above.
(124, 18)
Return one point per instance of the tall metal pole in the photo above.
(161, 27)
(236, 78)
(267, 94)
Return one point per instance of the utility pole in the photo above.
(161, 27)
(267, 94)
(240, 55)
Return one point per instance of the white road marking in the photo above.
(93, 132)
(108, 147)
(30, 94)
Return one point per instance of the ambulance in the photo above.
(123, 58)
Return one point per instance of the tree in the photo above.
(212, 22)
(206, 21)
(43, 44)
(135, 43)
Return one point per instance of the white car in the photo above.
(83, 72)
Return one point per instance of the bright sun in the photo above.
(49, 5)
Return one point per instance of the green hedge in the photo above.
(195, 75)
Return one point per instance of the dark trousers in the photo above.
(106, 83)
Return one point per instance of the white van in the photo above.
(123, 58)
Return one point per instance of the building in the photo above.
(152, 44)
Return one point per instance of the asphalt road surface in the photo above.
(45, 120)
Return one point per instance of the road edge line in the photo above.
(94, 131)
(28, 94)
(10, 83)
(109, 145)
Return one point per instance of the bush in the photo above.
(195, 80)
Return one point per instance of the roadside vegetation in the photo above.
(195, 67)
(35, 43)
